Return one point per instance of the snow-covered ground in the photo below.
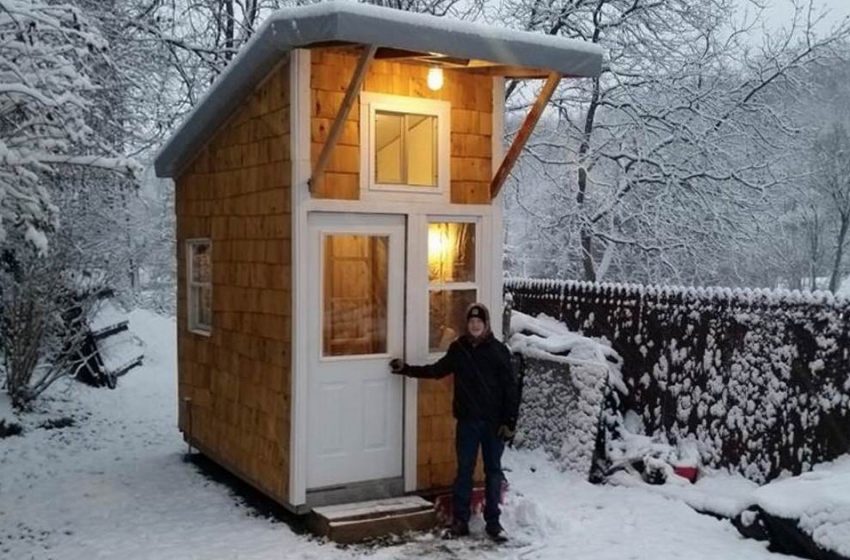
(115, 485)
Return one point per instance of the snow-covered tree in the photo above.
(831, 179)
(49, 54)
(655, 169)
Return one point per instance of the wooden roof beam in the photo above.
(351, 93)
(524, 133)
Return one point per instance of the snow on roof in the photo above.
(352, 22)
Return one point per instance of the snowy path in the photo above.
(116, 486)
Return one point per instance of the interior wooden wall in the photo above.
(471, 98)
(237, 192)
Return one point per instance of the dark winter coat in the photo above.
(485, 385)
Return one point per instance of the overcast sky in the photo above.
(780, 12)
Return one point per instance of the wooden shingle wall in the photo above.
(237, 192)
(471, 98)
(436, 465)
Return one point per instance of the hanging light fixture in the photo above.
(435, 78)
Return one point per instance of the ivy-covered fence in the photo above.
(760, 379)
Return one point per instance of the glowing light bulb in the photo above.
(435, 78)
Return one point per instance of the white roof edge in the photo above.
(368, 24)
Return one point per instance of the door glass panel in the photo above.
(451, 252)
(354, 299)
(447, 320)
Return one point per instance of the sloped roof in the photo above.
(354, 23)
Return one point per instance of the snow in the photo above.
(6, 411)
(104, 316)
(115, 485)
(820, 499)
(118, 351)
(718, 492)
(426, 22)
(547, 338)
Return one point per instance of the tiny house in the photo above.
(338, 204)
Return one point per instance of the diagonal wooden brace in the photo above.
(348, 101)
(524, 133)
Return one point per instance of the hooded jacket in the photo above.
(485, 387)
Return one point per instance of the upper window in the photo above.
(405, 149)
(404, 144)
(199, 299)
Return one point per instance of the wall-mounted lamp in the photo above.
(435, 78)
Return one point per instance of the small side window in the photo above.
(199, 300)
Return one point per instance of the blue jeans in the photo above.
(469, 434)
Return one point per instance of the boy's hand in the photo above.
(505, 433)
(397, 365)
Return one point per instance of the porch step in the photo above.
(349, 523)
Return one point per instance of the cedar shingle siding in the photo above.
(237, 193)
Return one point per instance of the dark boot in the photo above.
(495, 531)
(457, 529)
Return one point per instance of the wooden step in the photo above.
(349, 523)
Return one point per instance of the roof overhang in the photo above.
(462, 45)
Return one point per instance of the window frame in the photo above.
(192, 305)
(453, 286)
(370, 104)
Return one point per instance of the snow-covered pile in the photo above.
(565, 381)
(715, 492)
(105, 315)
(813, 506)
(819, 500)
(758, 378)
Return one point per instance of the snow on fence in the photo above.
(761, 379)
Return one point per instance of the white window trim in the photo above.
(452, 286)
(370, 104)
(191, 305)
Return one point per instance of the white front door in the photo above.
(356, 325)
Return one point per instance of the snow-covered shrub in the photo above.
(759, 379)
(566, 377)
(44, 303)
